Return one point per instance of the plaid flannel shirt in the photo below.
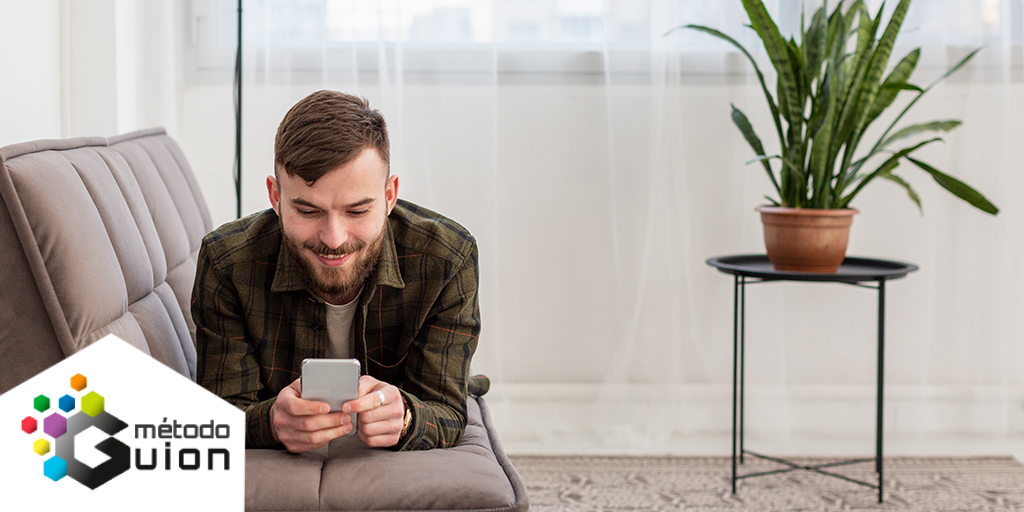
(416, 326)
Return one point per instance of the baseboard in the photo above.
(644, 415)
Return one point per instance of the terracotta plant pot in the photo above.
(806, 239)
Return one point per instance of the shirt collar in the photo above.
(289, 275)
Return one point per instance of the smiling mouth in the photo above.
(333, 260)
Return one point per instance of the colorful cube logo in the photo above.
(55, 426)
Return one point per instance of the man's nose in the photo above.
(334, 232)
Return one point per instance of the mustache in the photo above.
(343, 249)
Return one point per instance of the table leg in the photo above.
(735, 368)
(743, 358)
(881, 383)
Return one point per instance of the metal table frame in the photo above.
(754, 269)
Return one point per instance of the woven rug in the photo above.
(670, 483)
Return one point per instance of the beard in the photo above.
(334, 283)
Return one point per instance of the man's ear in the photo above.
(275, 194)
(391, 192)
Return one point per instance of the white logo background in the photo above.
(137, 389)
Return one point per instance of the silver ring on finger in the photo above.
(380, 394)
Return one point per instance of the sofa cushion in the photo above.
(176, 206)
(106, 236)
(346, 475)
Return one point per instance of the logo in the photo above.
(107, 444)
(62, 426)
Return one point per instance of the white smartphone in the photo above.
(334, 381)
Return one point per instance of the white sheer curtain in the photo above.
(596, 164)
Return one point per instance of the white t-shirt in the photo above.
(340, 336)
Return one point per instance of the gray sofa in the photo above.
(100, 236)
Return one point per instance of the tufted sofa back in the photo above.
(97, 236)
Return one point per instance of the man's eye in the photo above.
(359, 212)
(307, 213)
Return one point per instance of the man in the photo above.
(339, 267)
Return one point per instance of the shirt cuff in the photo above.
(258, 432)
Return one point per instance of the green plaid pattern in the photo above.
(416, 326)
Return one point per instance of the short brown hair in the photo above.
(326, 130)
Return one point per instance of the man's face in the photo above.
(335, 227)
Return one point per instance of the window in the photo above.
(556, 36)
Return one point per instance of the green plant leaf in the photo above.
(794, 176)
(837, 73)
(819, 159)
(886, 167)
(760, 76)
(741, 121)
(784, 108)
(796, 60)
(902, 86)
(768, 158)
(872, 80)
(778, 51)
(815, 44)
(820, 103)
(906, 132)
(906, 186)
(913, 102)
(867, 29)
(762, 158)
(958, 188)
(914, 129)
(880, 57)
(851, 63)
(896, 82)
(945, 126)
(845, 136)
(835, 30)
(956, 67)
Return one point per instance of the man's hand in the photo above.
(303, 425)
(379, 425)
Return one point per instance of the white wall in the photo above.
(30, 102)
(87, 67)
(91, 75)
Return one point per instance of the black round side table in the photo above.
(755, 268)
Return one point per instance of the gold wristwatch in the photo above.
(408, 418)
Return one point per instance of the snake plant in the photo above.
(830, 89)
